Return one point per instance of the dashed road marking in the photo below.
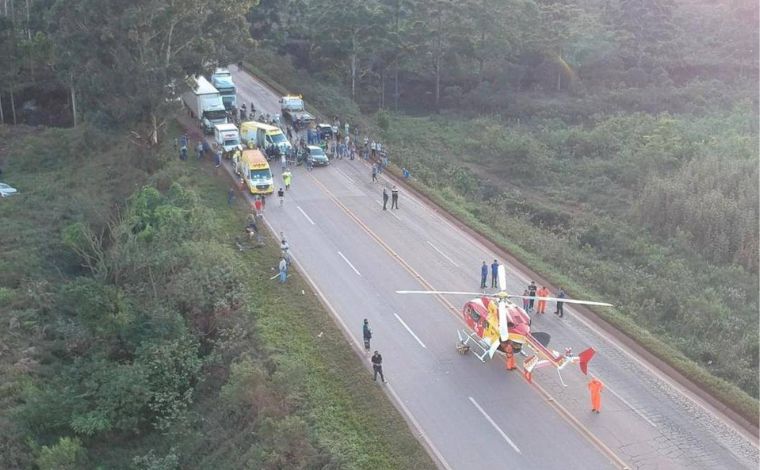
(304, 214)
(409, 330)
(443, 254)
(496, 426)
(349, 263)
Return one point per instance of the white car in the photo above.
(6, 190)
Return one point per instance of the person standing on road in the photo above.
(281, 195)
(509, 352)
(483, 275)
(542, 292)
(286, 177)
(595, 386)
(377, 366)
(218, 158)
(494, 273)
(367, 335)
(374, 173)
(385, 198)
(532, 291)
(394, 197)
(283, 270)
(560, 305)
(526, 300)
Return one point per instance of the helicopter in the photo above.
(493, 321)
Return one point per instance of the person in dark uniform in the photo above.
(394, 197)
(532, 292)
(367, 334)
(385, 198)
(483, 275)
(494, 273)
(377, 366)
(560, 305)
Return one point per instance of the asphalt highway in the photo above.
(467, 413)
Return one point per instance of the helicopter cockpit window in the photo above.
(473, 314)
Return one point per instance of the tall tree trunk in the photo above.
(395, 89)
(13, 105)
(437, 65)
(154, 129)
(169, 45)
(398, 51)
(353, 74)
(382, 89)
(73, 104)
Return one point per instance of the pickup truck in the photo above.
(294, 113)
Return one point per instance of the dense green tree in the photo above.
(143, 47)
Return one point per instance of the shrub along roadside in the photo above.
(141, 339)
(437, 167)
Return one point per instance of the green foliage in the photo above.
(67, 454)
(624, 207)
(383, 120)
(151, 461)
(482, 55)
(172, 369)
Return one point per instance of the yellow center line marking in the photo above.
(569, 418)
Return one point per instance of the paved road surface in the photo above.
(474, 414)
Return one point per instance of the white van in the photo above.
(227, 137)
(264, 135)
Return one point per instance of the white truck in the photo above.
(222, 81)
(205, 104)
(294, 113)
(228, 138)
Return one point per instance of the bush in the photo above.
(67, 454)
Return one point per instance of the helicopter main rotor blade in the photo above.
(435, 292)
(502, 278)
(503, 323)
(567, 301)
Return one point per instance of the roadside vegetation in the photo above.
(141, 336)
(611, 146)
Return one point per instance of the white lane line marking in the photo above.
(349, 263)
(496, 426)
(625, 402)
(389, 210)
(304, 214)
(409, 330)
(443, 254)
(345, 176)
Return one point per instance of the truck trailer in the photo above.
(222, 81)
(205, 104)
(294, 113)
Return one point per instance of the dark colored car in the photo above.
(318, 156)
(325, 131)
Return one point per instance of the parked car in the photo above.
(325, 131)
(318, 156)
(7, 190)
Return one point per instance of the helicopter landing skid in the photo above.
(469, 341)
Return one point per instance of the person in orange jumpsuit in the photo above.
(595, 386)
(542, 292)
(510, 356)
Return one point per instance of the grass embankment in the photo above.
(349, 413)
(251, 383)
(565, 200)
